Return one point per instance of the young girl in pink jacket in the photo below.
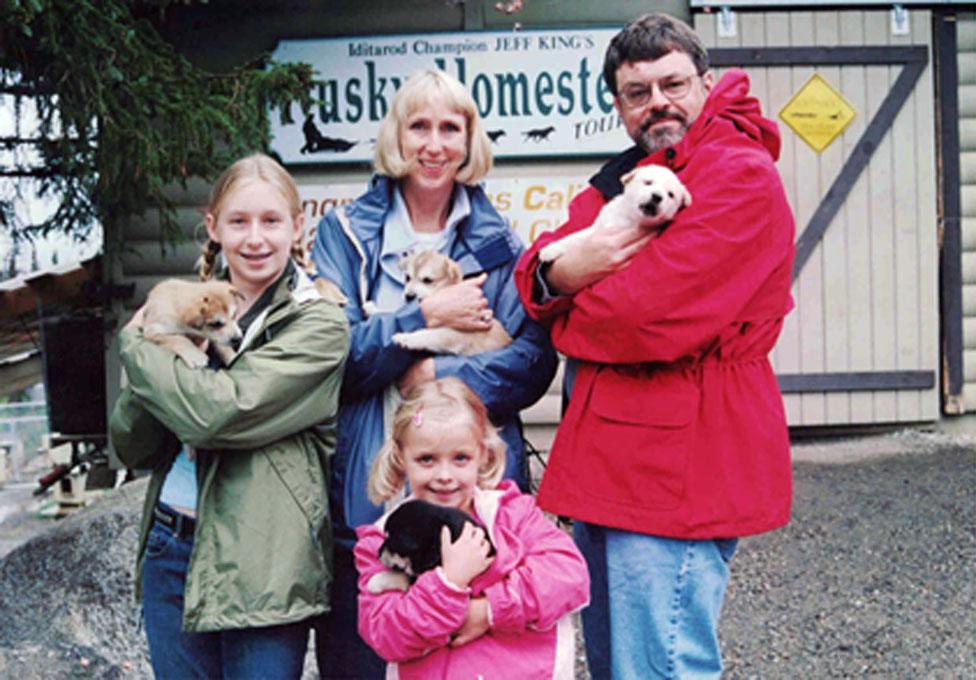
(505, 615)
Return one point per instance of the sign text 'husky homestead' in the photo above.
(540, 93)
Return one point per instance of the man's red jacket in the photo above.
(675, 425)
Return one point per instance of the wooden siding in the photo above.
(867, 298)
(966, 46)
(866, 301)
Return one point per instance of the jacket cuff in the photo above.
(503, 610)
(127, 337)
(542, 293)
(410, 318)
(541, 302)
(449, 583)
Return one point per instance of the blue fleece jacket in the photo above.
(507, 380)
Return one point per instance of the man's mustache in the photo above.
(657, 117)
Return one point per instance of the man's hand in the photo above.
(467, 557)
(461, 306)
(419, 372)
(475, 622)
(605, 251)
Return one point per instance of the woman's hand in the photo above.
(589, 260)
(467, 557)
(419, 372)
(461, 306)
(475, 622)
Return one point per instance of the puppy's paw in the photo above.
(388, 580)
(408, 341)
(369, 308)
(193, 359)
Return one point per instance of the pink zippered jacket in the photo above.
(537, 579)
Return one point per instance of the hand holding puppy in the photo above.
(475, 622)
(465, 558)
(652, 196)
(602, 252)
(462, 306)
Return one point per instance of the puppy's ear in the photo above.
(453, 271)
(685, 197)
(197, 320)
(627, 176)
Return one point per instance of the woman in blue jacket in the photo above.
(431, 152)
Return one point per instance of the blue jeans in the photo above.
(655, 604)
(258, 653)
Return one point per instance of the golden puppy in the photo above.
(178, 310)
(650, 191)
(427, 271)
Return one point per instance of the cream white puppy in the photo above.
(427, 271)
(650, 191)
(178, 310)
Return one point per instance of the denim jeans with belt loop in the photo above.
(248, 653)
(655, 604)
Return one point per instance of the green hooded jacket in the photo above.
(263, 429)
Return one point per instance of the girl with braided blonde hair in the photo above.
(235, 541)
(255, 167)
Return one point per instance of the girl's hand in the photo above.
(475, 622)
(137, 320)
(461, 306)
(467, 557)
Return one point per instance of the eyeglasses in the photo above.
(635, 95)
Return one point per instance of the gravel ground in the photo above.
(874, 577)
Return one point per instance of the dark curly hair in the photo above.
(650, 37)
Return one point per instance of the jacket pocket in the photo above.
(158, 542)
(639, 430)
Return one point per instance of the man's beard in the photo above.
(655, 140)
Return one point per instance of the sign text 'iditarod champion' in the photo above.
(540, 93)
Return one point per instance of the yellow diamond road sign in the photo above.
(817, 113)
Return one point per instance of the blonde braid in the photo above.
(300, 255)
(208, 259)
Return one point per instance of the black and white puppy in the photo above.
(413, 542)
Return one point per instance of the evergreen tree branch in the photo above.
(122, 115)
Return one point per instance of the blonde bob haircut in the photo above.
(421, 89)
(446, 397)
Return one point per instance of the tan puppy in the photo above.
(649, 191)
(427, 271)
(178, 310)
